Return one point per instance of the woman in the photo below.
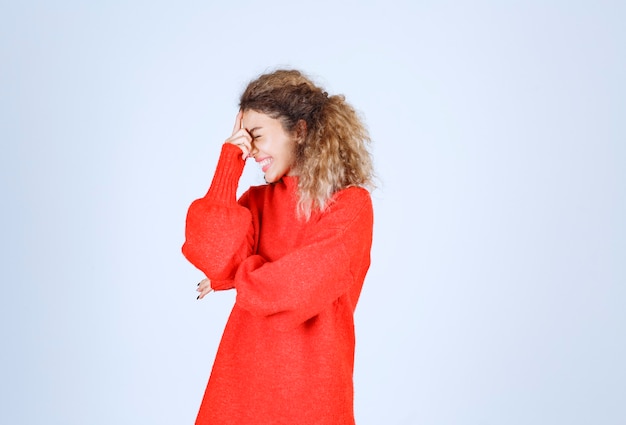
(296, 250)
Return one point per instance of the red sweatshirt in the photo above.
(287, 352)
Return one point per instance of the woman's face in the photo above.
(272, 148)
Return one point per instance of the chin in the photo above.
(272, 178)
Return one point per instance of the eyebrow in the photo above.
(252, 131)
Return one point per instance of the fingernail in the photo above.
(198, 284)
(198, 297)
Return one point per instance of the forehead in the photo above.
(254, 119)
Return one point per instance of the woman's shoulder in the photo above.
(353, 195)
(349, 203)
(348, 207)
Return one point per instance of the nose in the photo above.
(253, 149)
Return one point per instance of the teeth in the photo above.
(265, 162)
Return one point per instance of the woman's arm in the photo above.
(218, 232)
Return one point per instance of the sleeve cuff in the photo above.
(227, 174)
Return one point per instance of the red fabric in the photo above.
(287, 352)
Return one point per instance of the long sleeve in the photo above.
(218, 231)
(330, 263)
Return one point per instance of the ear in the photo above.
(301, 131)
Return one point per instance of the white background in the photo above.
(497, 290)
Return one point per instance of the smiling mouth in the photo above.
(265, 164)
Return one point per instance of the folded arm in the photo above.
(301, 284)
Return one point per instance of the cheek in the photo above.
(290, 149)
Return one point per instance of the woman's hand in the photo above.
(204, 287)
(241, 137)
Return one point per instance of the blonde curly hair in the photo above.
(332, 153)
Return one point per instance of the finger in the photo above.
(240, 136)
(242, 139)
(203, 285)
(238, 122)
(205, 291)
